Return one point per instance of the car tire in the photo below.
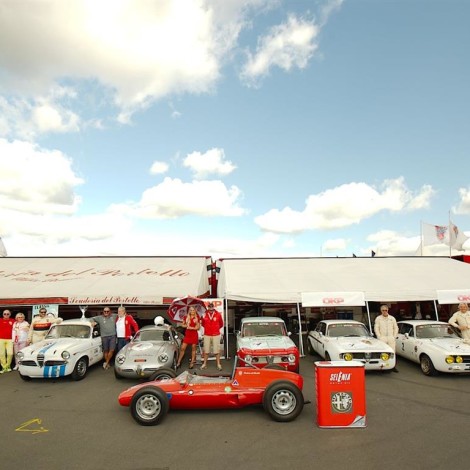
(149, 406)
(175, 362)
(427, 367)
(26, 378)
(80, 369)
(163, 373)
(310, 348)
(283, 401)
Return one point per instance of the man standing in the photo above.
(107, 323)
(6, 343)
(40, 325)
(461, 320)
(212, 322)
(386, 328)
(126, 326)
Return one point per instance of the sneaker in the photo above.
(2, 371)
(203, 366)
(15, 368)
(105, 365)
(219, 367)
(7, 369)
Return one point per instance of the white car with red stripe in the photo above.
(68, 349)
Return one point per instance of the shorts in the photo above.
(213, 341)
(109, 343)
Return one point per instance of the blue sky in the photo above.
(232, 129)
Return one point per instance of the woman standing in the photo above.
(192, 324)
(19, 334)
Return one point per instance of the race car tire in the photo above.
(427, 367)
(149, 406)
(80, 369)
(283, 401)
(163, 373)
(309, 348)
(26, 378)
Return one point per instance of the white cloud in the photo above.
(35, 180)
(286, 46)
(211, 162)
(345, 205)
(158, 168)
(464, 204)
(335, 245)
(174, 198)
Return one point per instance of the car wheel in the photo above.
(427, 366)
(149, 406)
(26, 378)
(310, 348)
(163, 373)
(80, 369)
(283, 401)
(175, 361)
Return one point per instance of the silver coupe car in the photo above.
(152, 348)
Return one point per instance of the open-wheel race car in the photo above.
(279, 391)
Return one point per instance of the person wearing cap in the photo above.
(461, 320)
(6, 344)
(212, 322)
(386, 328)
(40, 325)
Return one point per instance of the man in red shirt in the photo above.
(6, 342)
(212, 322)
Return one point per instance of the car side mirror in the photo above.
(289, 333)
(407, 335)
(95, 334)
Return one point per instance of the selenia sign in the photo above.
(332, 299)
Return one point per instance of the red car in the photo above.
(279, 391)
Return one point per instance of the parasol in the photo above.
(179, 307)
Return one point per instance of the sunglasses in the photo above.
(106, 311)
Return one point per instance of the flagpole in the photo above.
(450, 238)
(421, 237)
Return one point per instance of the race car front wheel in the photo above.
(283, 401)
(149, 406)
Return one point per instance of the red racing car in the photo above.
(279, 391)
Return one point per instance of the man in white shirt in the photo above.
(461, 320)
(386, 328)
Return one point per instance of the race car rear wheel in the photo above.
(149, 406)
(163, 373)
(427, 366)
(80, 369)
(283, 401)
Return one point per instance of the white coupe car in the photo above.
(435, 345)
(348, 340)
(69, 348)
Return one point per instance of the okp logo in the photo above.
(463, 298)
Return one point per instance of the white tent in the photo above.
(284, 280)
(102, 280)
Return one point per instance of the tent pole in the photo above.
(368, 317)
(226, 327)
(435, 309)
(301, 341)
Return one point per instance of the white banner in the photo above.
(453, 296)
(115, 299)
(333, 299)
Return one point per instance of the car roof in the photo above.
(75, 321)
(155, 327)
(423, 322)
(342, 322)
(262, 319)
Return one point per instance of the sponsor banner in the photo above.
(332, 299)
(453, 296)
(115, 299)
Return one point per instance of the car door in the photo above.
(318, 337)
(405, 342)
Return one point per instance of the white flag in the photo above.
(457, 237)
(3, 251)
(435, 234)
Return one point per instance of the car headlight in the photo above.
(163, 357)
(291, 358)
(19, 356)
(449, 359)
(385, 356)
(347, 356)
(65, 355)
(120, 359)
(459, 359)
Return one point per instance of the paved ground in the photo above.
(413, 422)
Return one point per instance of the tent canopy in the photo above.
(99, 280)
(284, 280)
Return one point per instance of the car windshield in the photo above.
(264, 329)
(347, 329)
(69, 331)
(153, 335)
(435, 331)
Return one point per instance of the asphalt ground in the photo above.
(413, 422)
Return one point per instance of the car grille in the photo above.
(41, 360)
(366, 356)
(269, 359)
(29, 363)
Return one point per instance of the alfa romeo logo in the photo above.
(341, 402)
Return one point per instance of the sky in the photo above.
(254, 128)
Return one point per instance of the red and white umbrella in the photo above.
(179, 307)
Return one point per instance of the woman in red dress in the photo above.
(192, 324)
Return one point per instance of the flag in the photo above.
(435, 234)
(3, 251)
(457, 237)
